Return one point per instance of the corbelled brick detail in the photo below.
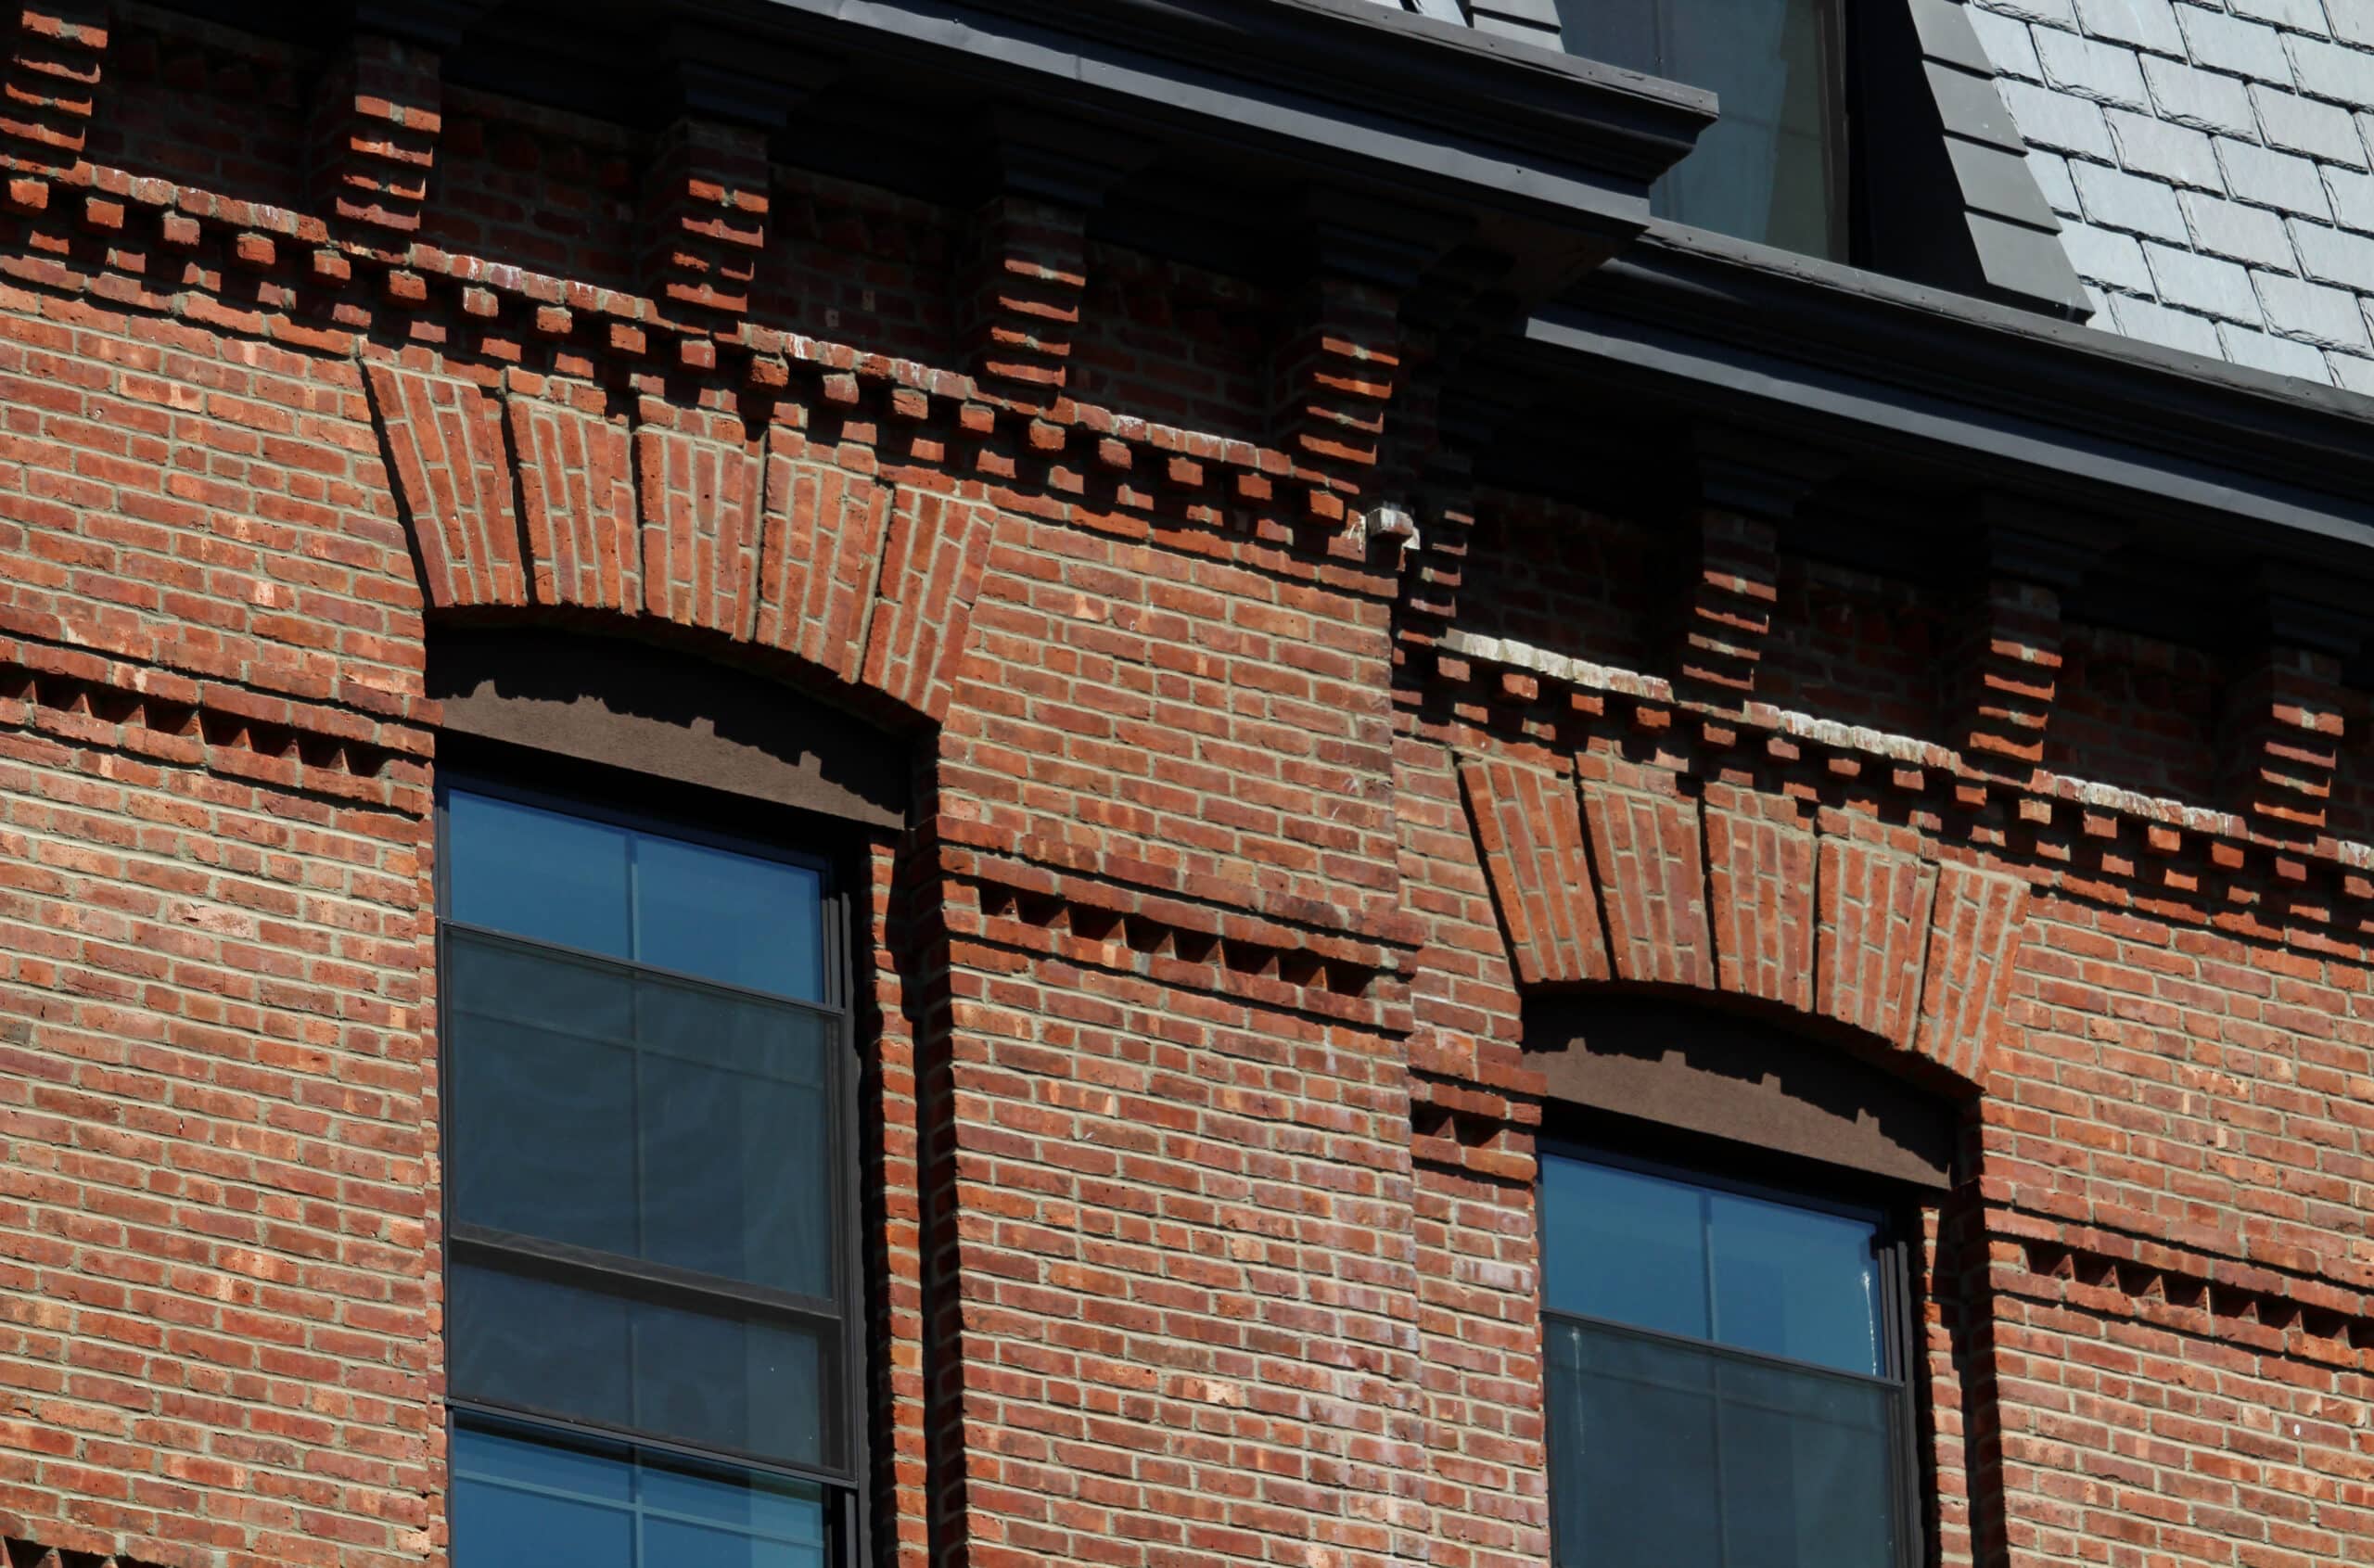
(1747, 893)
(1027, 272)
(706, 202)
(931, 569)
(2008, 673)
(1530, 826)
(700, 479)
(1727, 612)
(56, 49)
(377, 113)
(1977, 922)
(1336, 377)
(2284, 733)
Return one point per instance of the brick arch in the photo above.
(1601, 881)
(528, 495)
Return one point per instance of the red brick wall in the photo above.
(1200, 1125)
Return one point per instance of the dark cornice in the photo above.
(2236, 465)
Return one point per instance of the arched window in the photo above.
(654, 1319)
(1728, 1215)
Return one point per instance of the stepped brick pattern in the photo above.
(1199, 1114)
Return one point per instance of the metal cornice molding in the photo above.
(2274, 465)
(1389, 79)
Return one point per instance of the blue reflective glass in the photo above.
(731, 918)
(1626, 1247)
(739, 920)
(525, 1497)
(538, 873)
(1658, 1253)
(1796, 1282)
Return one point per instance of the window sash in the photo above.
(1897, 1336)
(839, 1322)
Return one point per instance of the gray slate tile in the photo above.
(2272, 179)
(2332, 70)
(2280, 355)
(2243, 233)
(2171, 330)
(2353, 199)
(2325, 132)
(2349, 371)
(2058, 121)
(2050, 172)
(2100, 256)
(2353, 22)
(2293, 15)
(2118, 200)
(2202, 282)
(2331, 318)
(2146, 24)
(2206, 100)
(2224, 43)
(2151, 146)
(2090, 68)
(2006, 41)
(2335, 256)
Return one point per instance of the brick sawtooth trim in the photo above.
(685, 518)
(1026, 909)
(83, 700)
(2184, 1292)
(1461, 1127)
(1871, 935)
(81, 1548)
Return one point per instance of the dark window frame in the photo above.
(1746, 1170)
(1839, 99)
(532, 777)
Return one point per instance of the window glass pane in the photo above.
(581, 1352)
(1761, 171)
(543, 1094)
(536, 873)
(1805, 1473)
(525, 1497)
(643, 1116)
(1796, 1282)
(1624, 1245)
(1632, 1247)
(736, 1147)
(731, 918)
(1665, 1456)
(538, 1344)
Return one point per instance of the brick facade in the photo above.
(1265, 767)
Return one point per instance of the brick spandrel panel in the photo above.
(1199, 1124)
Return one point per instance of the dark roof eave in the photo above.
(2010, 399)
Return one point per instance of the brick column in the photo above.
(1025, 265)
(1748, 486)
(2005, 670)
(1341, 358)
(378, 110)
(2283, 726)
(706, 191)
(53, 82)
